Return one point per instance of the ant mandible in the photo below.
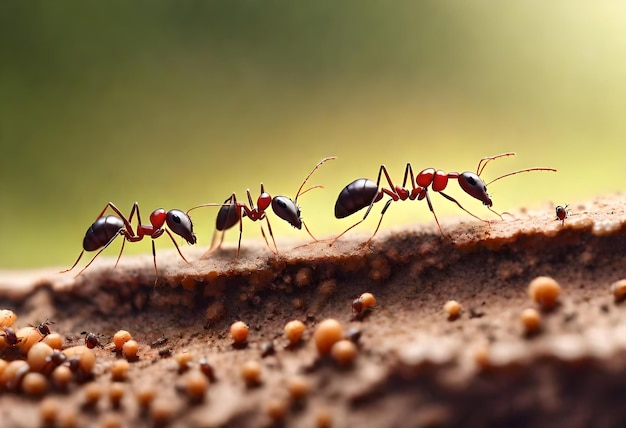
(232, 212)
(106, 228)
(364, 192)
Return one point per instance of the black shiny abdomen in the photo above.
(227, 217)
(101, 232)
(355, 196)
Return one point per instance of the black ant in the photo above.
(232, 212)
(562, 213)
(44, 328)
(364, 192)
(10, 337)
(105, 229)
(92, 340)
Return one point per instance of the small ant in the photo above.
(364, 192)
(105, 229)
(10, 337)
(44, 328)
(562, 213)
(232, 212)
(91, 340)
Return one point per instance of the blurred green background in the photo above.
(177, 103)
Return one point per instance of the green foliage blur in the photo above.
(177, 103)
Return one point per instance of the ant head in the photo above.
(180, 223)
(287, 209)
(474, 186)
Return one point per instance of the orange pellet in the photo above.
(545, 291)
(119, 370)
(294, 330)
(196, 384)
(7, 318)
(531, 320)
(344, 352)
(453, 309)
(116, 393)
(37, 355)
(34, 384)
(54, 340)
(326, 334)
(183, 359)
(239, 332)
(92, 393)
(298, 387)
(618, 288)
(120, 338)
(130, 349)
(251, 372)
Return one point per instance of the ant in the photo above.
(10, 337)
(106, 228)
(232, 212)
(91, 340)
(562, 213)
(44, 328)
(364, 192)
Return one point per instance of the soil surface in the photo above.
(415, 366)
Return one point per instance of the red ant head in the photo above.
(287, 209)
(474, 186)
(180, 223)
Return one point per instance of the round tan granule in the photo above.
(298, 387)
(130, 349)
(323, 419)
(62, 376)
(145, 395)
(531, 320)
(277, 409)
(37, 355)
(92, 393)
(120, 338)
(239, 332)
(367, 300)
(48, 409)
(196, 384)
(453, 309)
(326, 334)
(618, 288)
(111, 420)
(119, 370)
(545, 291)
(251, 372)
(34, 384)
(54, 340)
(7, 318)
(344, 352)
(162, 411)
(116, 393)
(183, 359)
(294, 330)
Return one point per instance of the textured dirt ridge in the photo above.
(415, 367)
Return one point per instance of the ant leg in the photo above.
(75, 263)
(119, 256)
(156, 270)
(309, 232)
(430, 207)
(450, 198)
(382, 214)
(98, 253)
(269, 228)
(176, 245)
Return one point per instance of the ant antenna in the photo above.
(320, 163)
(521, 170)
(485, 161)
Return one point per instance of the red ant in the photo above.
(10, 337)
(232, 212)
(105, 229)
(364, 192)
(562, 213)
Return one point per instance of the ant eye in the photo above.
(471, 181)
(176, 218)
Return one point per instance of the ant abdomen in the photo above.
(355, 196)
(228, 216)
(101, 232)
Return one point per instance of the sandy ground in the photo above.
(415, 367)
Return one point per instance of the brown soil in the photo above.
(415, 367)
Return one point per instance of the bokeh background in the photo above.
(177, 103)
